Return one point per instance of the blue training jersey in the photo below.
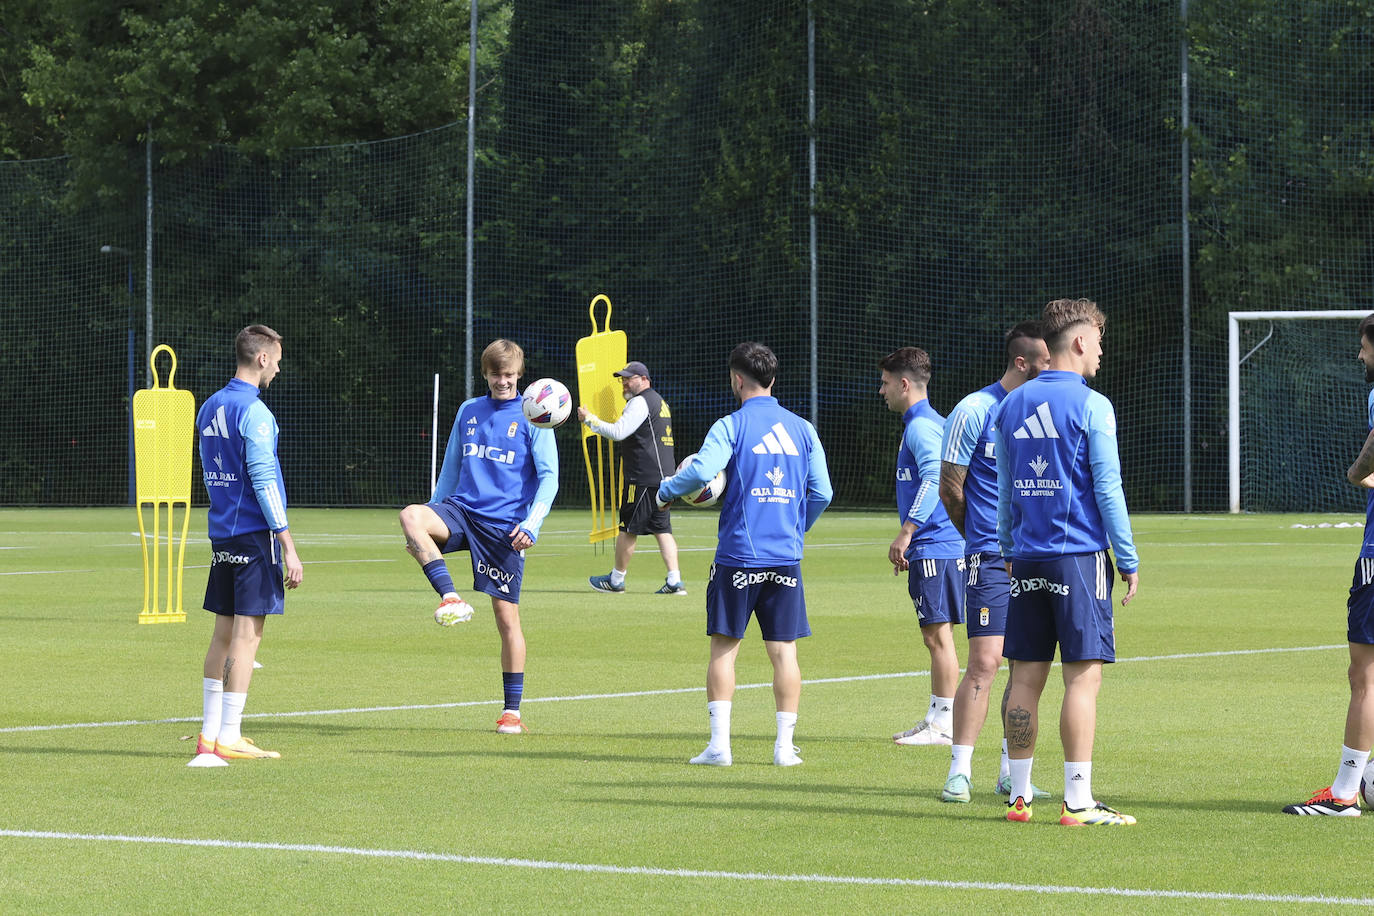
(776, 482)
(499, 466)
(918, 486)
(1367, 548)
(969, 442)
(1059, 473)
(238, 460)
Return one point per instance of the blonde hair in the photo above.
(502, 353)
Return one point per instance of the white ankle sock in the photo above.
(787, 726)
(1004, 769)
(1347, 783)
(618, 577)
(232, 717)
(1078, 784)
(212, 707)
(719, 711)
(961, 761)
(1021, 778)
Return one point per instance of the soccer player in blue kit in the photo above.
(1059, 504)
(1341, 798)
(249, 540)
(498, 482)
(928, 546)
(776, 486)
(968, 490)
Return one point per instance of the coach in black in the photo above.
(645, 429)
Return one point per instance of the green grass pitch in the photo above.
(394, 794)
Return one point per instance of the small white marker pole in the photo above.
(434, 439)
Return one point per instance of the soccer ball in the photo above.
(707, 495)
(547, 403)
(1367, 785)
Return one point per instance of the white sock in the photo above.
(961, 761)
(1004, 768)
(1021, 778)
(211, 705)
(618, 577)
(719, 711)
(1078, 784)
(787, 726)
(674, 577)
(1347, 784)
(447, 595)
(941, 713)
(231, 717)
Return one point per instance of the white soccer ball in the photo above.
(1367, 785)
(708, 494)
(547, 403)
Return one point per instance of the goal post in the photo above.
(1234, 360)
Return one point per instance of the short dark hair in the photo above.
(1367, 327)
(252, 340)
(1021, 340)
(1063, 314)
(756, 361)
(913, 362)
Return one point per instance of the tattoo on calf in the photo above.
(1019, 732)
(228, 666)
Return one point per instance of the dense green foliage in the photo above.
(973, 159)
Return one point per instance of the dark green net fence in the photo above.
(971, 162)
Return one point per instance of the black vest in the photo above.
(648, 451)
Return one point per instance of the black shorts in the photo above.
(639, 514)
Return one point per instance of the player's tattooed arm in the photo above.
(1361, 473)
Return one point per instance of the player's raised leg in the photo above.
(425, 532)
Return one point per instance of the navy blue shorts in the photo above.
(1065, 601)
(1360, 608)
(640, 514)
(497, 570)
(245, 576)
(937, 590)
(985, 594)
(773, 594)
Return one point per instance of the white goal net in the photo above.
(1297, 413)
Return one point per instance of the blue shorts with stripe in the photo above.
(986, 591)
(772, 594)
(1066, 601)
(1360, 608)
(497, 570)
(245, 576)
(936, 588)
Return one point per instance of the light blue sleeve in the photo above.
(715, 453)
(923, 438)
(545, 451)
(1100, 420)
(447, 481)
(1371, 408)
(819, 492)
(1003, 496)
(258, 428)
(962, 428)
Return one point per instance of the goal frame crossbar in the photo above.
(1233, 361)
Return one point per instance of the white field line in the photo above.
(693, 873)
(627, 694)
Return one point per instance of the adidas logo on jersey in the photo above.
(776, 442)
(218, 426)
(1039, 425)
